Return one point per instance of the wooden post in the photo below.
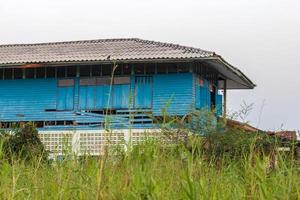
(225, 99)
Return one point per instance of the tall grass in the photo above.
(153, 170)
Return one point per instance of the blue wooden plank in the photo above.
(19, 97)
(82, 97)
(143, 91)
(173, 92)
(90, 97)
(120, 97)
(76, 94)
(102, 95)
(69, 98)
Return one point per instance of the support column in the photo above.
(225, 99)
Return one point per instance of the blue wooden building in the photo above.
(123, 83)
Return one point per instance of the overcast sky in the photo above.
(260, 37)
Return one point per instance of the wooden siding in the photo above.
(47, 100)
(175, 90)
(20, 98)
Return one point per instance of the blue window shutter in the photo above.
(143, 91)
(90, 97)
(65, 98)
(102, 94)
(120, 97)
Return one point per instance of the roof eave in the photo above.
(235, 70)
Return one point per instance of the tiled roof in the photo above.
(96, 50)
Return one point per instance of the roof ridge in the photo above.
(68, 42)
(175, 46)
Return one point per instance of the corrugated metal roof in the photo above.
(109, 50)
(96, 50)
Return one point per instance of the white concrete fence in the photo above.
(92, 142)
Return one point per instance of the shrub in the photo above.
(234, 142)
(22, 143)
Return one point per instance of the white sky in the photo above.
(260, 37)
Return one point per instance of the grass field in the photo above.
(153, 170)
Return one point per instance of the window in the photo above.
(118, 69)
(172, 68)
(106, 70)
(85, 71)
(182, 68)
(40, 72)
(96, 70)
(150, 68)
(65, 94)
(71, 71)
(127, 70)
(1, 74)
(139, 69)
(161, 68)
(8, 73)
(29, 73)
(61, 72)
(18, 73)
(50, 71)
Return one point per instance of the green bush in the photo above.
(22, 143)
(235, 142)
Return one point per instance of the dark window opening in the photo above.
(139, 69)
(71, 71)
(126, 70)
(106, 70)
(118, 69)
(182, 68)
(40, 72)
(29, 73)
(161, 68)
(61, 72)
(1, 74)
(8, 73)
(172, 68)
(150, 68)
(18, 73)
(85, 71)
(96, 70)
(50, 71)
